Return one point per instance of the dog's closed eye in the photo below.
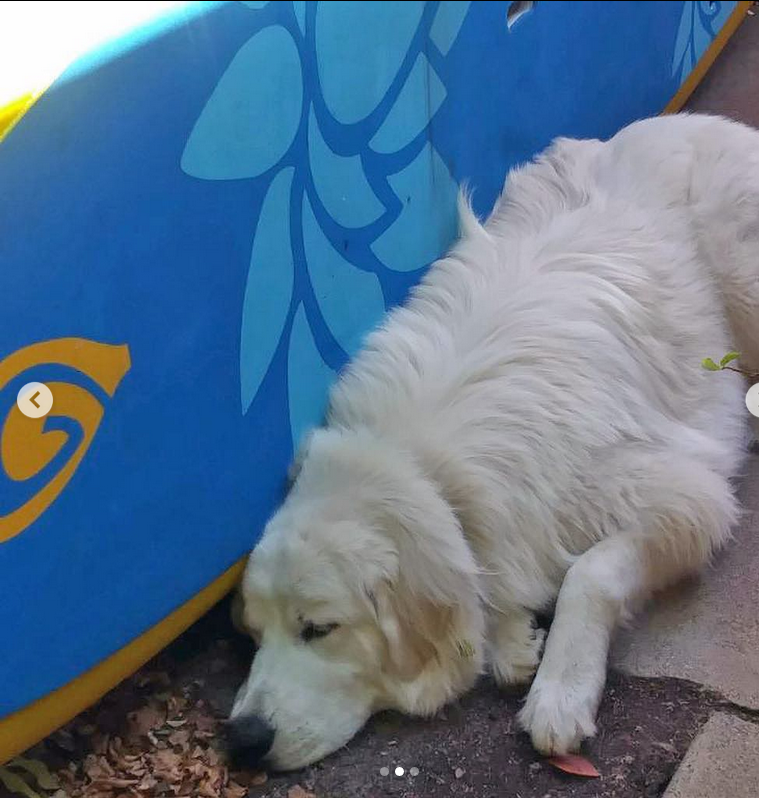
(313, 631)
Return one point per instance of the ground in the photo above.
(472, 748)
(695, 656)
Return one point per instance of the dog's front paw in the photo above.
(558, 717)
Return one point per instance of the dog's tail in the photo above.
(469, 225)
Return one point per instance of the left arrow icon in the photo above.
(35, 400)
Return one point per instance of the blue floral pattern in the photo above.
(330, 106)
(334, 126)
(700, 22)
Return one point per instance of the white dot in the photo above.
(752, 400)
(414, 772)
(384, 771)
(399, 771)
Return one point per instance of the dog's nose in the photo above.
(249, 739)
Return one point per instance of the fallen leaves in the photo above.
(154, 736)
(179, 738)
(162, 749)
(296, 791)
(38, 769)
(15, 783)
(575, 765)
(234, 790)
(183, 769)
(146, 719)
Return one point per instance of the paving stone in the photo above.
(722, 762)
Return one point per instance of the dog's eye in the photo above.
(313, 631)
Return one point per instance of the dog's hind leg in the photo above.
(686, 512)
(515, 644)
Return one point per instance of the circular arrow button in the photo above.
(35, 400)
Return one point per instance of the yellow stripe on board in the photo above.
(708, 58)
(13, 111)
(39, 40)
(29, 725)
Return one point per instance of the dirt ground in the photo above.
(157, 735)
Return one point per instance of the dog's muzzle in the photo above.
(249, 739)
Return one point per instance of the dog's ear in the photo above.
(414, 634)
(430, 611)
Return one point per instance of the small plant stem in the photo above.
(752, 375)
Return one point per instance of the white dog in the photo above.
(533, 429)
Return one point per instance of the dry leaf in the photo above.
(146, 719)
(196, 769)
(14, 783)
(574, 764)
(180, 738)
(248, 778)
(203, 724)
(97, 767)
(298, 792)
(208, 789)
(166, 759)
(234, 790)
(147, 782)
(114, 750)
(176, 704)
(38, 769)
(108, 784)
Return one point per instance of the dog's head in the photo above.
(362, 595)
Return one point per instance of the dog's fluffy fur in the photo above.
(532, 430)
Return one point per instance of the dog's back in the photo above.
(561, 339)
(659, 219)
(711, 165)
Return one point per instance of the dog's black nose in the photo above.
(249, 739)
